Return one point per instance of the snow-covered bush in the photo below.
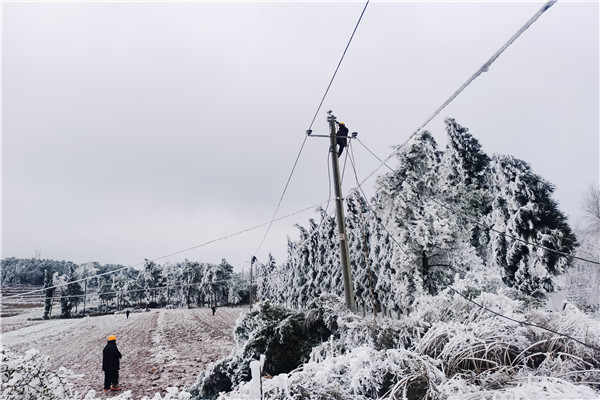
(173, 393)
(362, 373)
(526, 388)
(30, 377)
(449, 348)
(286, 337)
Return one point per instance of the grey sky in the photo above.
(134, 130)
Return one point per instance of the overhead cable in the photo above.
(467, 298)
(489, 228)
(310, 127)
(484, 68)
(338, 66)
(281, 198)
(522, 322)
(168, 255)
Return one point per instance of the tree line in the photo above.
(184, 284)
(30, 271)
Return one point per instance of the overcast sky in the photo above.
(135, 130)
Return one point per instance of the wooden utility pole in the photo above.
(341, 223)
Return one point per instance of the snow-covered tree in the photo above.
(70, 294)
(305, 258)
(119, 286)
(360, 230)
(190, 278)
(264, 279)
(105, 290)
(591, 209)
(581, 285)
(238, 289)
(524, 217)
(169, 277)
(133, 291)
(408, 203)
(465, 172)
(75, 290)
(151, 280)
(327, 270)
(86, 270)
(48, 294)
(216, 281)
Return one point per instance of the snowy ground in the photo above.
(160, 348)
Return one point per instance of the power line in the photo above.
(299, 248)
(310, 127)
(377, 219)
(282, 195)
(470, 300)
(522, 322)
(338, 66)
(492, 311)
(179, 252)
(296, 251)
(489, 228)
(68, 283)
(481, 70)
(273, 219)
(449, 287)
(457, 292)
(364, 235)
(484, 68)
(168, 255)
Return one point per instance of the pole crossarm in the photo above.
(336, 136)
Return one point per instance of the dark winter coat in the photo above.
(342, 138)
(342, 134)
(110, 357)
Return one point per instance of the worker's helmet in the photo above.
(341, 123)
(111, 338)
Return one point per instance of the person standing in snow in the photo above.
(110, 364)
(127, 314)
(342, 137)
(213, 308)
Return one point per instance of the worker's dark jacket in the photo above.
(110, 357)
(342, 134)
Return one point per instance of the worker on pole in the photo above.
(342, 137)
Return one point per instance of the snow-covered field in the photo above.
(160, 348)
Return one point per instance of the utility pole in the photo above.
(84, 295)
(253, 259)
(341, 223)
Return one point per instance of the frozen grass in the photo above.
(450, 349)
